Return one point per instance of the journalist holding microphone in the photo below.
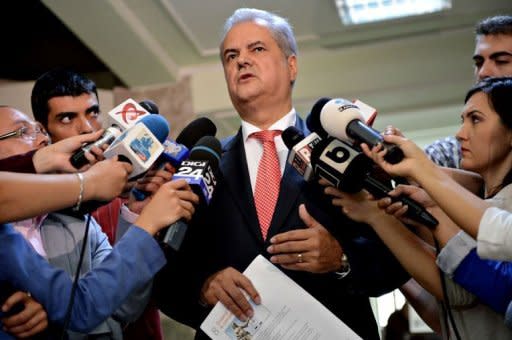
(486, 140)
(66, 103)
(48, 233)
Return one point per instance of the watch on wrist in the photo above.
(345, 267)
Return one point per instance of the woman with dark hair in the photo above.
(486, 142)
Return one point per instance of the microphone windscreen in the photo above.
(157, 125)
(208, 148)
(313, 120)
(291, 136)
(336, 115)
(149, 106)
(196, 129)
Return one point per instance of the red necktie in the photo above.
(268, 179)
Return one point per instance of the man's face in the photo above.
(70, 116)
(255, 68)
(32, 135)
(493, 56)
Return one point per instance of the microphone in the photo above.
(199, 171)
(115, 128)
(176, 152)
(342, 119)
(350, 171)
(141, 144)
(300, 150)
(149, 106)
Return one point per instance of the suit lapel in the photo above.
(236, 176)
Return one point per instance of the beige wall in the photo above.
(17, 94)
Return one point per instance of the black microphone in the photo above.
(300, 150)
(199, 171)
(342, 119)
(149, 106)
(350, 171)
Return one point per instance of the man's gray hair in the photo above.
(279, 27)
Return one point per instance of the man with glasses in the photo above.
(19, 134)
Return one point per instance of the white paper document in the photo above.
(286, 312)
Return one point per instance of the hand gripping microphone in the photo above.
(176, 152)
(300, 150)
(350, 171)
(199, 171)
(342, 119)
(115, 128)
(141, 144)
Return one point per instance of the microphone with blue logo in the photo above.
(177, 151)
(199, 171)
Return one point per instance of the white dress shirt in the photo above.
(254, 148)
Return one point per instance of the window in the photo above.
(354, 12)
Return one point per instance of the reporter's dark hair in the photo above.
(58, 83)
(499, 24)
(499, 94)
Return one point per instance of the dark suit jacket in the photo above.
(227, 234)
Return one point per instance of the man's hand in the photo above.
(227, 286)
(30, 321)
(150, 184)
(55, 157)
(312, 249)
(106, 179)
(172, 202)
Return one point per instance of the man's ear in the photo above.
(292, 67)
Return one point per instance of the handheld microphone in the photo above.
(141, 145)
(176, 152)
(300, 150)
(199, 171)
(342, 119)
(113, 130)
(149, 106)
(350, 171)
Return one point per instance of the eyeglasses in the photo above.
(28, 133)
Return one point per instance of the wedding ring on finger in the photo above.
(299, 258)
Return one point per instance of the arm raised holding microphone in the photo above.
(465, 208)
(98, 292)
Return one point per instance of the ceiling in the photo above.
(144, 42)
(420, 64)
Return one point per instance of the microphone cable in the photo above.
(67, 317)
(446, 303)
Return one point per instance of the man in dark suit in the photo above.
(293, 224)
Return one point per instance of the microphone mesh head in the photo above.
(196, 129)
(149, 106)
(313, 120)
(208, 148)
(157, 125)
(291, 136)
(336, 115)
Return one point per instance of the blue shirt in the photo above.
(134, 260)
(490, 280)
